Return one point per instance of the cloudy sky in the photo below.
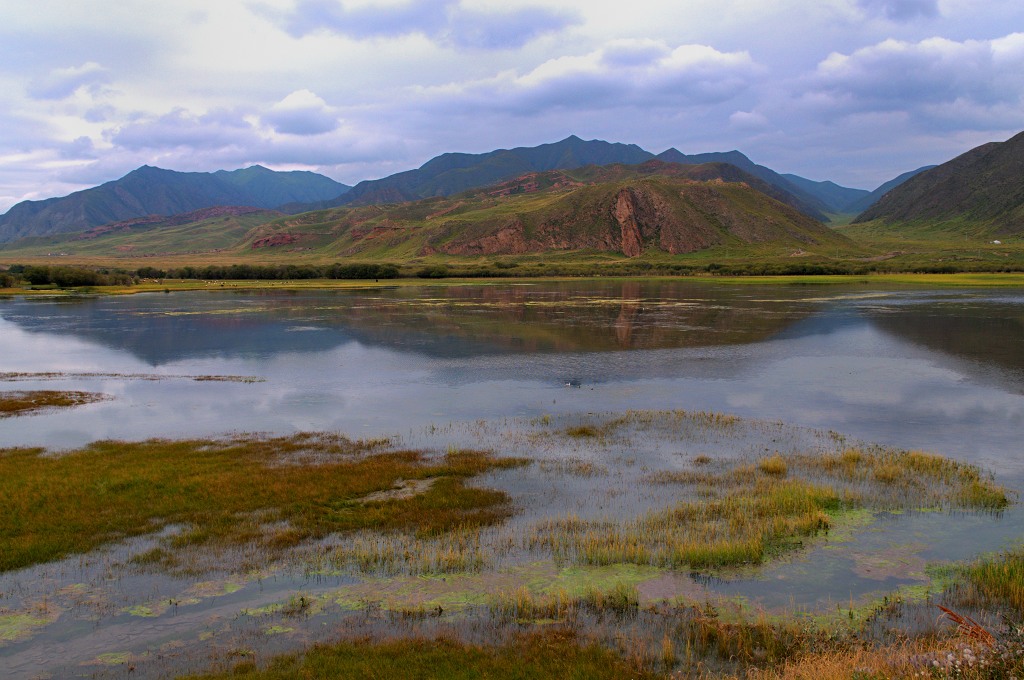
(856, 91)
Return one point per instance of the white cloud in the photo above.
(302, 113)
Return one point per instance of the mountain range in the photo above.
(154, 191)
(150, 191)
(982, 187)
(617, 208)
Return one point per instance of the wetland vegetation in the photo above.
(489, 606)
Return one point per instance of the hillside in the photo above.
(627, 209)
(670, 208)
(207, 230)
(860, 205)
(154, 191)
(978, 193)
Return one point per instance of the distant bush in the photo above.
(72, 277)
(150, 273)
(436, 272)
(249, 272)
(362, 271)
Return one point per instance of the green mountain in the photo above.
(979, 193)
(863, 203)
(154, 191)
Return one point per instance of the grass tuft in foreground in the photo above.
(275, 492)
(994, 580)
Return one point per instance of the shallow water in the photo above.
(940, 370)
(935, 369)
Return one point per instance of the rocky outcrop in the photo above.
(625, 214)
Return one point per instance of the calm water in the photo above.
(936, 369)
(941, 370)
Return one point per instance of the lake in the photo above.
(940, 370)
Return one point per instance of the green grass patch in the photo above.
(272, 491)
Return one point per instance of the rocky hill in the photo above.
(671, 208)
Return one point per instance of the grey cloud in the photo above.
(179, 128)
(445, 21)
(894, 76)
(309, 16)
(689, 76)
(901, 10)
(505, 30)
(301, 121)
(60, 83)
(81, 148)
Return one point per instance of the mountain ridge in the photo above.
(149, 190)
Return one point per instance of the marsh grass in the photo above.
(743, 511)
(744, 526)
(524, 605)
(907, 478)
(460, 549)
(994, 581)
(242, 490)
(20, 403)
(553, 653)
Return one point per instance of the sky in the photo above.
(853, 91)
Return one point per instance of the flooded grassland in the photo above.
(623, 478)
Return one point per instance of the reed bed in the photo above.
(996, 580)
(907, 478)
(743, 527)
(523, 605)
(460, 549)
(742, 511)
